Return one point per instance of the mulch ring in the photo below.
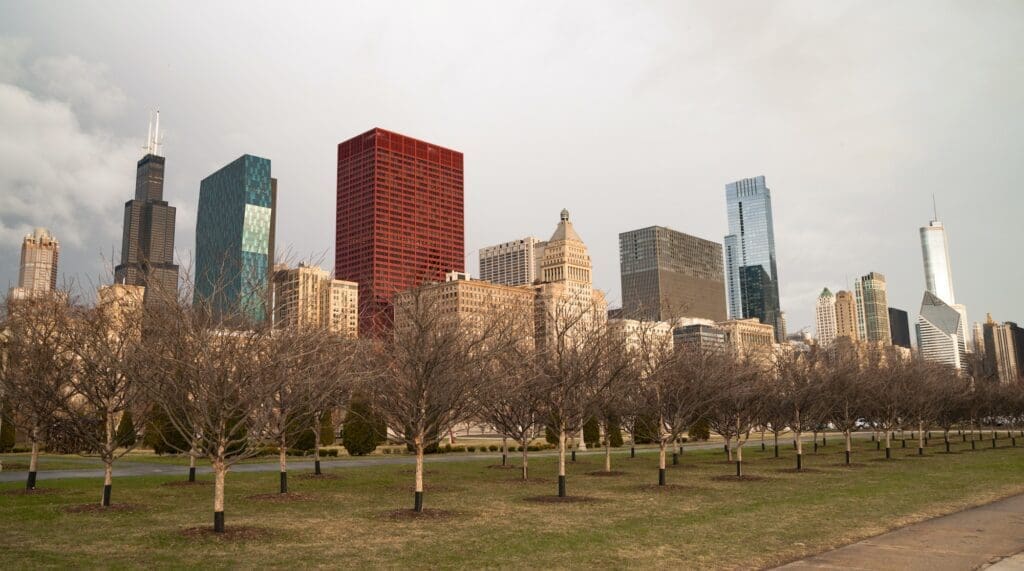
(503, 467)
(318, 477)
(281, 498)
(15, 467)
(800, 471)
(230, 533)
(412, 515)
(850, 465)
(607, 474)
(97, 508)
(427, 487)
(743, 478)
(559, 500)
(186, 483)
(532, 480)
(27, 492)
(668, 488)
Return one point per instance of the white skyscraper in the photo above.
(825, 318)
(939, 328)
(938, 272)
(512, 263)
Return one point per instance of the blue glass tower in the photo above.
(752, 279)
(235, 238)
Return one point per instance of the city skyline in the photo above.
(820, 242)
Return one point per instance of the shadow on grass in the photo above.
(562, 500)
(230, 533)
(428, 514)
(98, 509)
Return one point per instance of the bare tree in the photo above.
(429, 370)
(737, 380)
(37, 367)
(329, 384)
(845, 396)
(799, 374)
(513, 406)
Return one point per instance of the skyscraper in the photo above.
(147, 243)
(825, 318)
(235, 238)
(306, 296)
(1000, 351)
(846, 315)
(872, 309)
(399, 218)
(512, 263)
(753, 280)
(938, 332)
(938, 272)
(667, 274)
(40, 252)
(899, 327)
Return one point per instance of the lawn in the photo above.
(486, 517)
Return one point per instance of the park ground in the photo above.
(483, 516)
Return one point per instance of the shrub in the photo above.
(458, 449)
(326, 429)
(363, 430)
(6, 435)
(532, 448)
(700, 430)
(447, 447)
(471, 449)
(645, 430)
(550, 435)
(614, 431)
(592, 432)
(161, 435)
(493, 447)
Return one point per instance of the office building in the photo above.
(655, 337)
(468, 302)
(40, 253)
(752, 277)
(307, 296)
(147, 242)
(749, 335)
(825, 318)
(512, 263)
(1000, 351)
(699, 335)
(668, 274)
(938, 332)
(899, 327)
(872, 309)
(235, 239)
(399, 219)
(846, 315)
(938, 271)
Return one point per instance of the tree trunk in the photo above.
(607, 455)
(848, 437)
(920, 438)
(728, 449)
(219, 471)
(108, 461)
(561, 462)
(282, 460)
(108, 482)
(799, 449)
(418, 495)
(526, 443)
(776, 444)
(661, 461)
(739, 458)
(504, 451)
(316, 447)
(888, 444)
(192, 465)
(33, 463)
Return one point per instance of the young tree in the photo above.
(37, 367)
(430, 368)
(887, 376)
(362, 430)
(737, 380)
(845, 395)
(799, 375)
(513, 405)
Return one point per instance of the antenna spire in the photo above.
(156, 135)
(935, 209)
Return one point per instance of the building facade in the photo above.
(846, 315)
(899, 327)
(399, 218)
(752, 275)
(307, 296)
(872, 309)
(668, 274)
(235, 239)
(825, 318)
(37, 273)
(1000, 351)
(938, 332)
(635, 334)
(938, 271)
(512, 263)
(467, 302)
(147, 241)
(699, 334)
(749, 335)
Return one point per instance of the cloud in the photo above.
(83, 85)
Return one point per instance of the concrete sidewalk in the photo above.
(985, 536)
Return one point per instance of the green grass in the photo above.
(698, 523)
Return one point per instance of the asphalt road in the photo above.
(128, 469)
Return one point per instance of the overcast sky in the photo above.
(628, 114)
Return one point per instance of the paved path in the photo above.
(970, 539)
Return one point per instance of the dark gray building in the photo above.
(147, 245)
(667, 274)
(899, 327)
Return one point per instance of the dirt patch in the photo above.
(35, 492)
(500, 467)
(611, 474)
(743, 478)
(427, 488)
(565, 500)
(893, 459)
(96, 508)
(427, 514)
(186, 484)
(800, 471)
(318, 477)
(532, 480)
(850, 465)
(281, 498)
(230, 533)
(668, 488)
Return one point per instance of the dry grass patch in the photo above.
(230, 533)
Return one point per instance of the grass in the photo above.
(698, 522)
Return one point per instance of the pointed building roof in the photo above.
(940, 314)
(565, 231)
(825, 293)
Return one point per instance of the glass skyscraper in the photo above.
(235, 238)
(752, 279)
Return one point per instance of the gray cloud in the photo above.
(627, 114)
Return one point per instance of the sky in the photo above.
(627, 114)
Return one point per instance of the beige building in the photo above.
(657, 335)
(40, 252)
(512, 263)
(1000, 351)
(566, 291)
(307, 296)
(122, 300)
(468, 301)
(748, 335)
(846, 315)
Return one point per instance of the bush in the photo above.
(532, 448)
(363, 430)
(161, 435)
(592, 433)
(494, 447)
(614, 429)
(700, 430)
(645, 430)
(125, 434)
(447, 447)
(471, 449)
(6, 435)
(326, 429)
(550, 435)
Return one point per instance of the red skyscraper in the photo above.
(399, 219)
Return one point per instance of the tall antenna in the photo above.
(149, 136)
(156, 135)
(935, 209)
